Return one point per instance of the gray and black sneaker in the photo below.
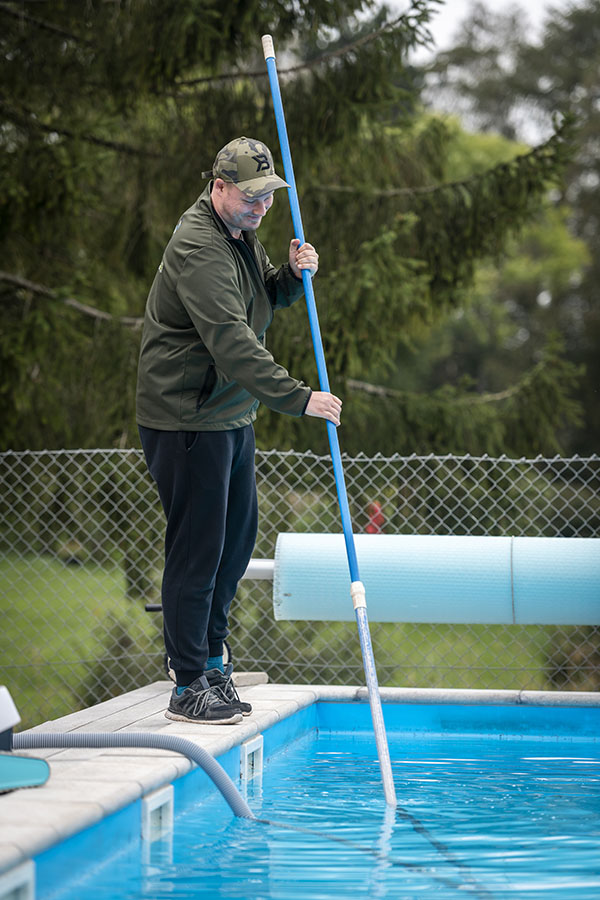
(202, 703)
(222, 684)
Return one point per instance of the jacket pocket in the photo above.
(208, 386)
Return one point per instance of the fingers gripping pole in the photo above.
(357, 589)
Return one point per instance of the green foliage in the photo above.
(507, 83)
(70, 381)
(111, 111)
(59, 669)
(522, 421)
(457, 375)
(411, 655)
(128, 660)
(573, 660)
(549, 281)
(465, 221)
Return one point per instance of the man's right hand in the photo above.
(324, 406)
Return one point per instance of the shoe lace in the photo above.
(203, 699)
(226, 689)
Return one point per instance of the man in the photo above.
(203, 370)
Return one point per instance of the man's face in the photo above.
(239, 211)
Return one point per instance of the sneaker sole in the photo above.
(235, 719)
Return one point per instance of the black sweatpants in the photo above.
(207, 487)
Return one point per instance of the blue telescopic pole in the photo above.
(357, 590)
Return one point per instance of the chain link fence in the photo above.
(81, 537)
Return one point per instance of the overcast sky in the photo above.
(447, 18)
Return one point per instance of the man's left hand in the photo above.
(303, 257)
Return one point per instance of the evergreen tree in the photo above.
(474, 367)
(503, 81)
(109, 114)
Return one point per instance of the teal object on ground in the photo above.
(22, 771)
(441, 579)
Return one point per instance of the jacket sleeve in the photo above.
(209, 289)
(282, 285)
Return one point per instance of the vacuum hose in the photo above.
(93, 740)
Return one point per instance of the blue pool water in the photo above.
(496, 815)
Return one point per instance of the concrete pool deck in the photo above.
(87, 785)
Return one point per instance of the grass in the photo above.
(407, 655)
(70, 637)
(68, 634)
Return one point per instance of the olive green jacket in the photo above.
(203, 362)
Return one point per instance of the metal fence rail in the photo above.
(81, 546)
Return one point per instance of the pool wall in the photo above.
(92, 804)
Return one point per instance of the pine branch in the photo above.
(380, 391)
(84, 308)
(458, 223)
(42, 24)
(27, 118)
(336, 53)
(540, 152)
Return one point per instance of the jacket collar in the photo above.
(205, 203)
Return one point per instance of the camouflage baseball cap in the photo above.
(247, 164)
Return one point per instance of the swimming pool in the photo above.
(494, 801)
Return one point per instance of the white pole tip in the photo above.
(268, 48)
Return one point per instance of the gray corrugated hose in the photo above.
(93, 740)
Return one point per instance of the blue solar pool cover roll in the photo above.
(442, 579)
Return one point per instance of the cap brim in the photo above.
(257, 186)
